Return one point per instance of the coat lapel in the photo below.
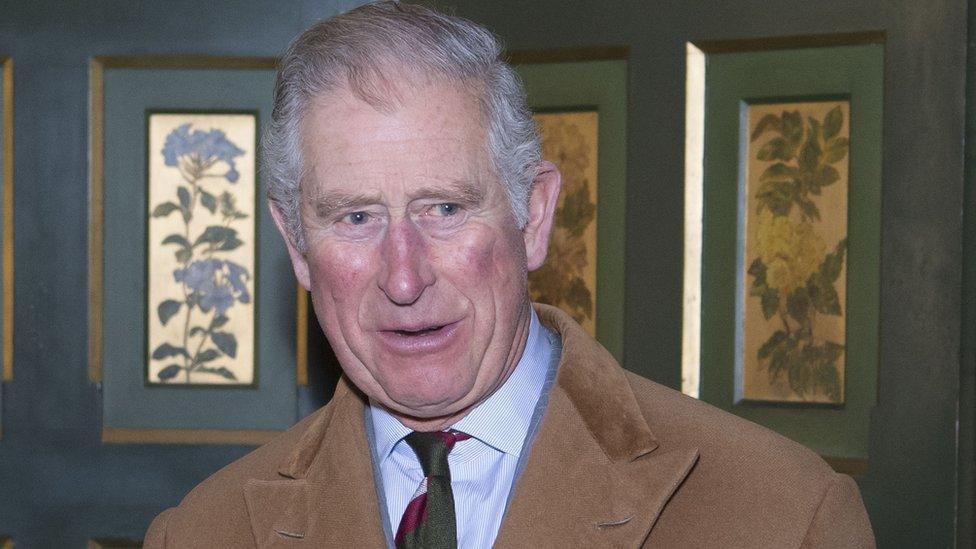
(326, 494)
(596, 475)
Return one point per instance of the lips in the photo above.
(421, 338)
(420, 332)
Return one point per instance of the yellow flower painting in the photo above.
(792, 329)
(568, 278)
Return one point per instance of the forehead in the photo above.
(431, 131)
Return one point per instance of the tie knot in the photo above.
(432, 449)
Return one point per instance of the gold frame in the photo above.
(113, 543)
(96, 257)
(7, 66)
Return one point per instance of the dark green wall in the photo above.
(911, 489)
(59, 486)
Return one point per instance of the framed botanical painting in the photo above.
(580, 104)
(795, 187)
(568, 278)
(783, 202)
(193, 318)
(201, 253)
(6, 224)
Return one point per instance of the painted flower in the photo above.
(791, 251)
(201, 149)
(217, 283)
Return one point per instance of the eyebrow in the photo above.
(333, 202)
(463, 192)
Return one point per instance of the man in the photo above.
(408, 187)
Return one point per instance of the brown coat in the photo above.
(619, 461)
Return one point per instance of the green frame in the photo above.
(124, 92)
(593, 80)
(731, 79)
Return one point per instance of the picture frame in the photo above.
(128, 95)
(6, 225)
(569, 84)
(729, 84)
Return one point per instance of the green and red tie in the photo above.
(428, 521)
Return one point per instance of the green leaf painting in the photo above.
(796, 246)
(568, 277)
(201, 249)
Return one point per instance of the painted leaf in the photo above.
(798, 303)
(177, 239)
(209, 201)
(184, 254)
(577, 210)
(220, 371)
(232, 243)
(164, 209)
(167, 309)
(226, 342)
(214, 234)
(219, 321)
(830, 268)
(828, 175)
(823, 295)
(184, 195)
(833, 122)
(774, 341)
(777, 196)
(792, 128)
(775, 149)
(810, 210)
(197, 330)
(205, 356)
(770, 303)
(809, 154)
(836, 150)
(779, 172)
(768, 122)
(166, 350)
(169, 372)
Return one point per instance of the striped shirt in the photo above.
(483, 467)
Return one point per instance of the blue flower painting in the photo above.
(201, 250)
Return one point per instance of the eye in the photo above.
(356, 218)
(446, 209)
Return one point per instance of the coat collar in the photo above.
(594, 456)
(326, 495)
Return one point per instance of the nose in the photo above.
(406, 267)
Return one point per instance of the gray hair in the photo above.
(366, 51)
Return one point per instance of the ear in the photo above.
(298, 261)
(542, 212)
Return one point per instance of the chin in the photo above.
(431, 403)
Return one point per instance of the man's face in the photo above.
(415, 265)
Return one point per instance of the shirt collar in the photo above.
(502, 420)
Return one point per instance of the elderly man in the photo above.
(407, 183)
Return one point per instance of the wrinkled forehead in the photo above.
(431, 131)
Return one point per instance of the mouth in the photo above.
(421, 332)
(421, 338)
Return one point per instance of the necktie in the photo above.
(428, 521)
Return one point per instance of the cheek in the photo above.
(492, 263)
(338, 271)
